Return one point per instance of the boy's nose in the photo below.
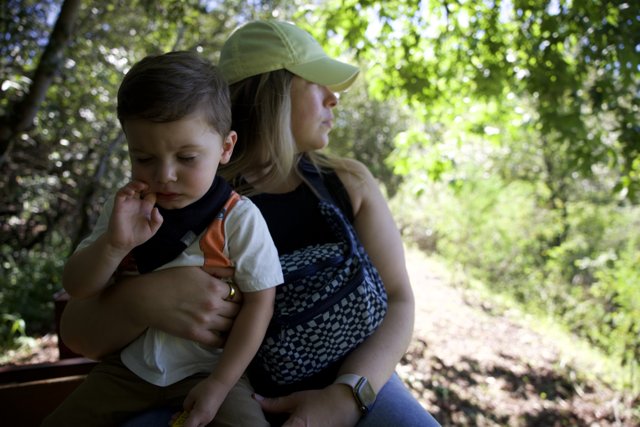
(166, 173)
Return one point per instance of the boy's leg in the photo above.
(170, 404)
(239, 409)
(108, 396)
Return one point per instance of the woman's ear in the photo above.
(227, 146)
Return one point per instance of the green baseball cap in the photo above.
(267, 45)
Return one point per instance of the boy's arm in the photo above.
(245, 336)
(89, 270)
(133, 221)
(243, 342)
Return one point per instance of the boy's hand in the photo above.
(203, 402)
(135, 219)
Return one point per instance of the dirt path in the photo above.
(470, 367)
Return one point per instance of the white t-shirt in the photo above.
(164, 359)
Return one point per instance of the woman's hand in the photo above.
(193, 305)
(184, 301)
(332, 406)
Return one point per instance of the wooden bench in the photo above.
(28, 393)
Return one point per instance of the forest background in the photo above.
(505, 133)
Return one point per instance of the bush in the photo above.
(617, 291)
(11, 328)
(29, 280)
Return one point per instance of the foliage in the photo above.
(575, 63)
(11, 328)
(27, 293)
(617, 287)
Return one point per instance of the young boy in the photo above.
(175, 112)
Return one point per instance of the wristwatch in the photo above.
(361, 389)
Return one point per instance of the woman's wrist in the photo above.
(361, 391)
(343, 403)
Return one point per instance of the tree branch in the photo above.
(23, 113)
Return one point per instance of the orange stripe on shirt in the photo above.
(212, 242)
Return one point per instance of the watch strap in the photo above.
(361, 390)
(348, 379)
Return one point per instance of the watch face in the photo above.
(365, 393)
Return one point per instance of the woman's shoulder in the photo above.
(352, 169)
(357, 180)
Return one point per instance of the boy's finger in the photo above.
(156, 219)
(149, 198)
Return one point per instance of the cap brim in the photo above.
(336, 75)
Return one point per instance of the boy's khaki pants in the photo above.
(111, 394)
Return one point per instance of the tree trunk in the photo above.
(20, 117)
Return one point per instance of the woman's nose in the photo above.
(331, 99)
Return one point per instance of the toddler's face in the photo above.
(179, 159)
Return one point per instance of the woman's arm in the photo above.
(377, 357)
(184, 301)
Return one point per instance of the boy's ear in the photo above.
(227, 146)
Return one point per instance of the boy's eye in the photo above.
(187, 158)
(142, 159)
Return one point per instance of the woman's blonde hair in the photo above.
(266, 149)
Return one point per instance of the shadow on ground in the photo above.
(507, 391)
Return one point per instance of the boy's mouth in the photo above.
(166, 196)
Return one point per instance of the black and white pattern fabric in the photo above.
(332, 299)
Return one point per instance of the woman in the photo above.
(282, 86)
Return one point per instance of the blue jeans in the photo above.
(395, 406)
